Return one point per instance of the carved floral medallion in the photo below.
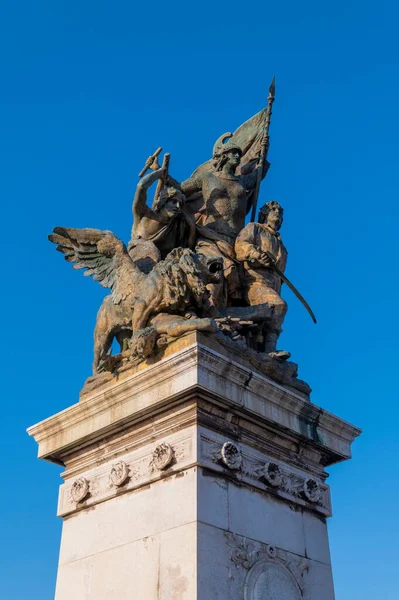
(231, 456)
(273, 474)
(311, 490)
(119, 473)
(79, 489)
(162, 456)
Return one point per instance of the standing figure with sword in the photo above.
(261, 250)
(256, 247)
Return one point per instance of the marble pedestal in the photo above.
(194, 478)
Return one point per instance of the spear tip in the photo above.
(272, 87)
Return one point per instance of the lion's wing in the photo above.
(102, 254)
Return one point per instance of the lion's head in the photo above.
(188, 274)
(211, 269)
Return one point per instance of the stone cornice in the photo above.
(273, 401)
(196, 369)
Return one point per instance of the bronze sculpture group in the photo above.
(191, 263)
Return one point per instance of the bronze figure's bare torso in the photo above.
(226, 195)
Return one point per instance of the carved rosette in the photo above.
(277, 477)
(162, 456)
(311, 490)
(119, 473)
(273, 474)
(79, 489)
(231, 456)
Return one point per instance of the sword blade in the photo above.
(292, 287)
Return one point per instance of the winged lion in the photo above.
(175, 286)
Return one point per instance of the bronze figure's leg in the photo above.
(176, 325)
(102, 343)
(102, 337)
(141, 313)
(261, 293)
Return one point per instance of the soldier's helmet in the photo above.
(225, 144)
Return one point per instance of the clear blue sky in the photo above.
(87, 91)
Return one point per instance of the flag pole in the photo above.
(264, 146)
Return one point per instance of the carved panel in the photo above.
(272, 573)
(272, 581)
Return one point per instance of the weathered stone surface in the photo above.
(194, 366)
(177, 504)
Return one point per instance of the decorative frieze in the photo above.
(137, 468)
(243, 462)
(282, 479)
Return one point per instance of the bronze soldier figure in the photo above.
(227, 198)
(225, 193)
(260, 281)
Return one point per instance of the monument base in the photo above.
(194, 478)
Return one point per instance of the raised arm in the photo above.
(249, 181)
(192, 185)
(140, 208)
